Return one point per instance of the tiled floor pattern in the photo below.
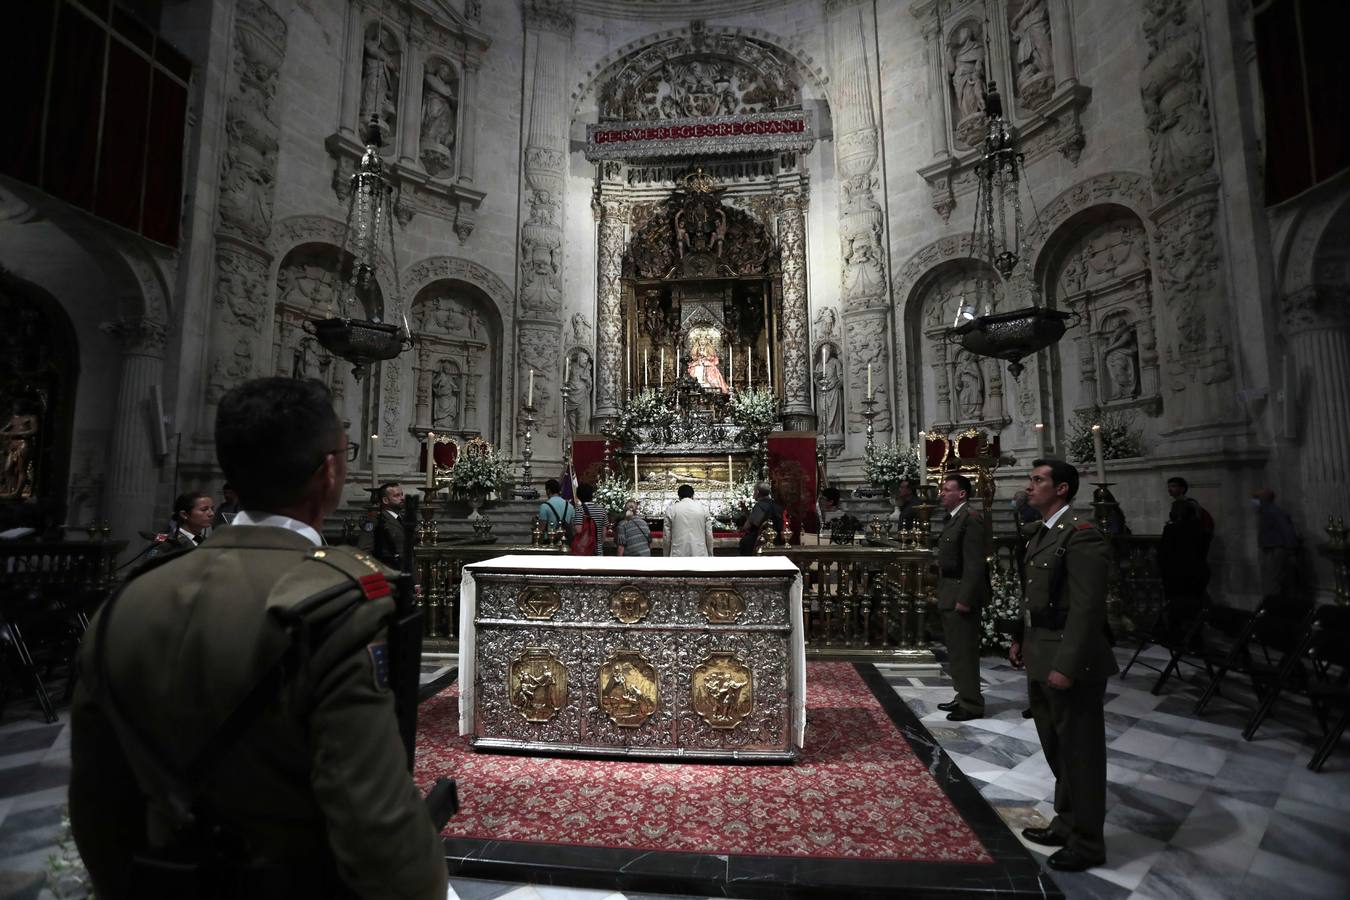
(1194, 810)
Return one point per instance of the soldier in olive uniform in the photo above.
(963, 589)
(1066, 648)
(233, 730)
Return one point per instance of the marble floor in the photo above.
(1194, 810)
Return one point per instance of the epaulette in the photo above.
(156, 561)
(1084, 525)
(328, 573)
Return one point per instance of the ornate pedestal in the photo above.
(695, 658)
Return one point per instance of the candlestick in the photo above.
(869, 379)
(374, 478)
(1097, 449)
(662, 370)
(527, 491)
(529, 397)
(1040, 440)
(431, 459)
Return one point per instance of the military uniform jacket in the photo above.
(319, 778)
(962, 567)
(387, 543)
(1080, 649)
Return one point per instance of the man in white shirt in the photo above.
(688, 526)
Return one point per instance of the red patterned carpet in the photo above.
(857, 793)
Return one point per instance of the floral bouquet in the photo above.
(1120, 438)
(1005, 605)
(737, 505)
(646, 410)
(755, 412)
(888, 465)
(479, 470)
(613, 493)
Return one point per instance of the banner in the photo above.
(792, 473)
(713, 134)
(588, 457)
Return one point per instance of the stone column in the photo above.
(612, 213)
(937, 94)
(865, 288)
(410, 125)
(130, 498)
(241, 292)
(468, 136)
(548, 37)
(795, 348)
(1317, 324)
(1061, 44)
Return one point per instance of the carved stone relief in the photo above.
(454, 372)
(698, 75)
(248, 170)
(1176, 104)
(868, 346)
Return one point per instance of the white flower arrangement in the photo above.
(1004, 606)
(889, 464)
(1120, 438)
(754, 410)
(479, 469)
(613, 493)
(736, 504)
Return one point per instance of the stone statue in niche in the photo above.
(969, 388)
(827, 321)
(380, 81)
(445, 389)
(830, 393)
(1121, 358)
(439, 107)
(966, 67)
(579, 381)
(20, 434)
(541, 290)
(1034, 65)
(581, 330)
(309, 361)
(473, 323)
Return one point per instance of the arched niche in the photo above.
(456, 379)
(1097, 263)
(954, 388)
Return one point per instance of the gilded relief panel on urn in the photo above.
(537, 683)
(629, 688)
(527, 684)
(722, 689)
(723, 714)
(628, 677)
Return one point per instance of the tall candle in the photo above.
(730, 480)
(749, 375)
(869, 381)
(646, 369)
(662, 370)
(635, 471)
(374, 478)
(1097, 449)
(567, 368)
(919, 452)
(731, 367)
(431, 459)
(768, 365)
(822, 355)
(529, 397)
(1040, 439)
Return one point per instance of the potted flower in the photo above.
(477, 472)
(1120, 437)
(612, 493)
(888, 465)
(755, 412)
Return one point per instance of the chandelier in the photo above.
(1010, 336)
(359, 328)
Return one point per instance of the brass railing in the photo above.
(78, 566)
(440, 567)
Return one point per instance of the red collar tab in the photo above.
(375, 586)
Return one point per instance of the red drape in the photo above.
(588, 457)
(792, 472)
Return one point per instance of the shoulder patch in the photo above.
(379, 661)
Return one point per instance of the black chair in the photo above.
(1206, 641)
(1258, 651)
(1175, 629)
(1318, 668)
(40, 630)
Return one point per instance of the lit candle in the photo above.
(731, 367)
(869, 381)
(567, 368)
(646, 369)
(822, 355)
(374, 478)
(749, 358)
(1097, 449)
(431, 459)
(662, 370)
(635, 471)
(1040, 439)
(529, 397)
(918, 451)
(768, 365)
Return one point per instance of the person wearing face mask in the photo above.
(633, 535)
